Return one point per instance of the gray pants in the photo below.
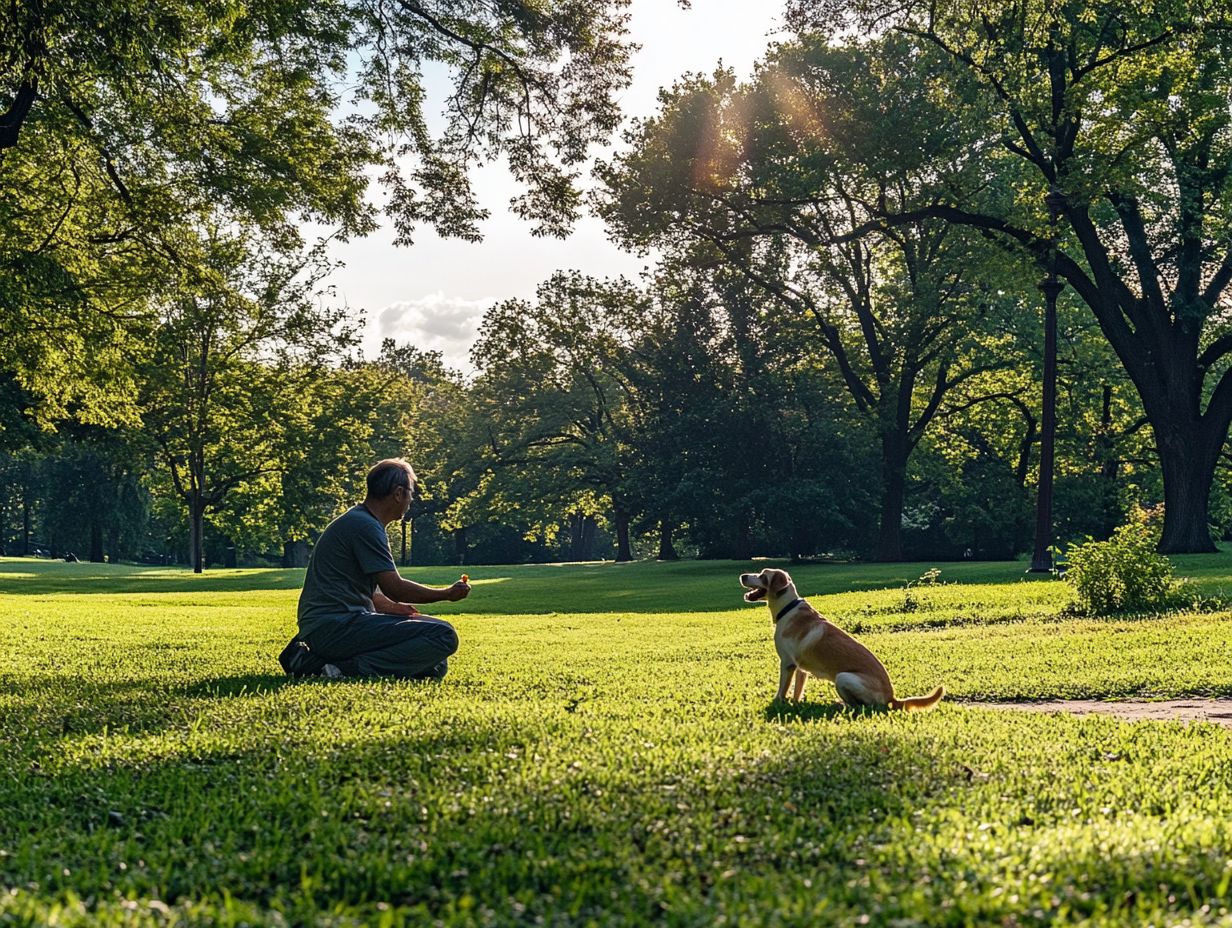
(374, 644)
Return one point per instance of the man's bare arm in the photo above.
(387, 606)
(400, 590)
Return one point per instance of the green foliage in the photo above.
(1094, 139)
(228, 352)
(127, 128)
(554, 385)
(687, 408)
(615, 762)
(1126, 573)
(775, 180)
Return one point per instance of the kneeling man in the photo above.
(356, 616)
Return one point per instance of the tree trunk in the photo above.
(25, 526)
(1023, 467)
(742, 546)
(575, 537)
(799, 542)
(667, 550)
(1188, 465)
(96, 542)
(459, 546)
(624, 552)
(586, 551)
(1041, 559)
(1109, 468)
(196, 533)
(295, 553)
(893, 494)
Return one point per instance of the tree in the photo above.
(771, 178)
(230, 102)
(222, 364)
(122, 126)
(438, 421)
(557, 368)
(325, 444)
(94, 502)
(741, 440)
(1116, 115)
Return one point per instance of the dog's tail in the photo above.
(918, 703)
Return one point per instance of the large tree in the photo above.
(557, 372)
(1115, 116)
(742, 441)
(122, 123)
(232, 100)
(768, 176)
(224, 356)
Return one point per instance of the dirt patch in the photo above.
(1218, 711)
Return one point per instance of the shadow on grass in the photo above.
(300, 823)
(68, 709)
(546, 823)
(252, 684)
(780, 710)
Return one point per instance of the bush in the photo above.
(1124, 573)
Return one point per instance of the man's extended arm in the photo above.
(392, 584)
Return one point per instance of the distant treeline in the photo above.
(690, 419)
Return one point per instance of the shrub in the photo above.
(1124, 573)
(928, 578)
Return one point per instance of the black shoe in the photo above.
(299, 661)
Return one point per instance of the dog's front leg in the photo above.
(785, 672)
(801, 677)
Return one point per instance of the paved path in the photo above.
(1218, 711)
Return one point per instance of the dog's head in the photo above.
(765, 585)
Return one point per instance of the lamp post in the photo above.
(1041, 561)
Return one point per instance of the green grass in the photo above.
(604, 751)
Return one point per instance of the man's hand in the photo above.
(459, 590)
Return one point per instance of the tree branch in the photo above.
(12, 119)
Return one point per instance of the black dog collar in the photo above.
(786, 609)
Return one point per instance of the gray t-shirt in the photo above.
(342, 571)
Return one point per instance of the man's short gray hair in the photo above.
(386, 476)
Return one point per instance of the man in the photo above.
(356, 616)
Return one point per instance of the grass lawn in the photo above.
(604, 751)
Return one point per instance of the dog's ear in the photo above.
(779, 581)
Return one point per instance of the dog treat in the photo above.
(466, 579)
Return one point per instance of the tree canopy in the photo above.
(1114, 116)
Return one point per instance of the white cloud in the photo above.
(435, 322)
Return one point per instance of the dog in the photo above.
(808, 643)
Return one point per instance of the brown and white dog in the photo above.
(809, 643)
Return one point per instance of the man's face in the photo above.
(405, 499)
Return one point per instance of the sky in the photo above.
(433, 293)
